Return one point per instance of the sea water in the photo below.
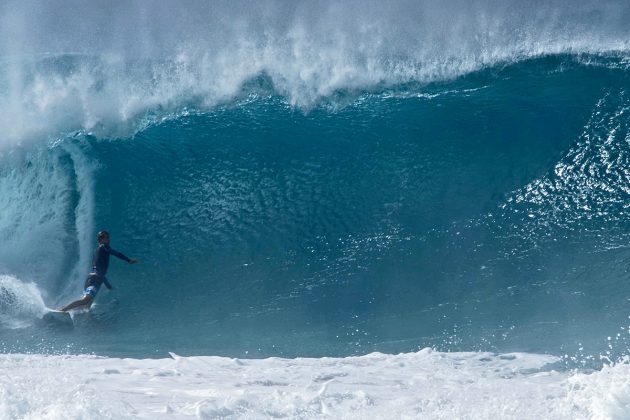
(343, 210)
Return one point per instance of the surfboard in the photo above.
(58, 317)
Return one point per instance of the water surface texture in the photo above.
(317, 179)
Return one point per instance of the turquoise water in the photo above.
(483, 209)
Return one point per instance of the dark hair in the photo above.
(102, 234)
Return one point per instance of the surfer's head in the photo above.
(103, 237)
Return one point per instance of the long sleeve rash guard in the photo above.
(100, 263)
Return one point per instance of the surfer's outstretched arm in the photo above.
(122, 256)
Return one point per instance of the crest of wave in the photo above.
(109, 67)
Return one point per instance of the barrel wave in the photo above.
(302, 186)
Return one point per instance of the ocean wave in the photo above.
(157, 62)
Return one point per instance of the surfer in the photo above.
(99, 268)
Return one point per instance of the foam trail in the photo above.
(20, 303)
(83, 216)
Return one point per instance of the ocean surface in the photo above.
(352, 180)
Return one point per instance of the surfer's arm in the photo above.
(122, 256)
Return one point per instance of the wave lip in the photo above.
(62, 75)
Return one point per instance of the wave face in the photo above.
(308, 181)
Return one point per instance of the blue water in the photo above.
(448, 199)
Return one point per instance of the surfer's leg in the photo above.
(88, 297)
(86, 300)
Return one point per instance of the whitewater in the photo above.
(341, 209)
(426, 384)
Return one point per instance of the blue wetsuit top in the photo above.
(100, 263)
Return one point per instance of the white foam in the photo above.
(84, 169)
(46, 222)
(139, 60)
(427, 384)
(20, 302)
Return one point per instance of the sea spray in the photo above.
(112, 65)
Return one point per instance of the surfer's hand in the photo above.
(133, 261)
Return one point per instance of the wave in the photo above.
(109, 97)
(104, 74)
(481, 212)
(405, 217)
